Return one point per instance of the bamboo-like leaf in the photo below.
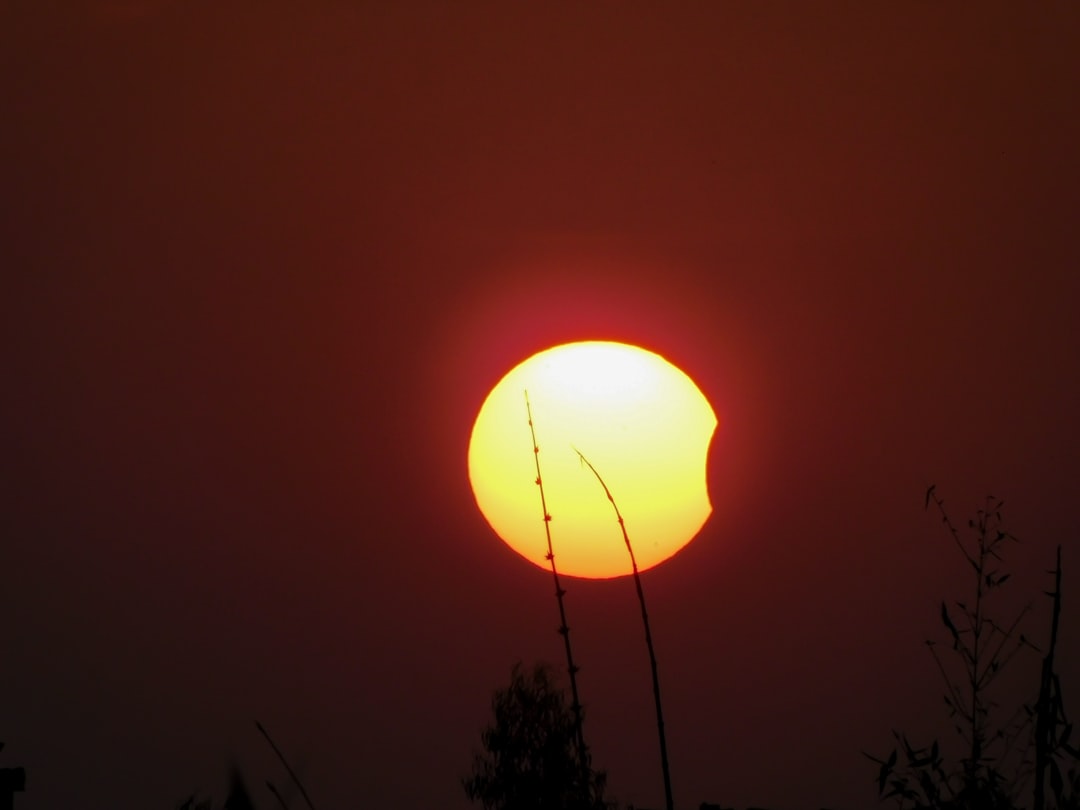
(908, 749)
(885, 771)
(952, 627)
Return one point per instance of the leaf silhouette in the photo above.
(952, 627)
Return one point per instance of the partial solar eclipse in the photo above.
(642, 423)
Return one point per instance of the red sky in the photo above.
(261, 265)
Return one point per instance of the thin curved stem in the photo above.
(648, 634)
(285, 762)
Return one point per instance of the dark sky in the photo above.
(263, 261)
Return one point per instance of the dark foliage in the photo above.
(979, 648)
(238, 797)
(997, 768)
(530, 759)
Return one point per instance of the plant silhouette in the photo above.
(1053, 751)
(239, 797)
(560, 593)
(664, 767)
(12, 781)
(996, 767)
(530, 759)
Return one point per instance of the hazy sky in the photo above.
(263, 261)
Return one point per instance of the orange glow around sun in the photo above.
(642, 423)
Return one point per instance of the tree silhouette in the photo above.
(530, 758)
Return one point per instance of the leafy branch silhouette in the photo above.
(996, 767)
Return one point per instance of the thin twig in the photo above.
(285, 762)
(954, 693)
(989, 671)
(277, 795)
(931, 496)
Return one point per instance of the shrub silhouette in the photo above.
(997, 766)
(530, 758)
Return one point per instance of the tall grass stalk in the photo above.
(560, 592)
(648, 634)
(1049, 711)
(285, 762)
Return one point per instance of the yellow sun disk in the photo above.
(642, 423)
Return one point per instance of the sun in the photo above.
(639, 420)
